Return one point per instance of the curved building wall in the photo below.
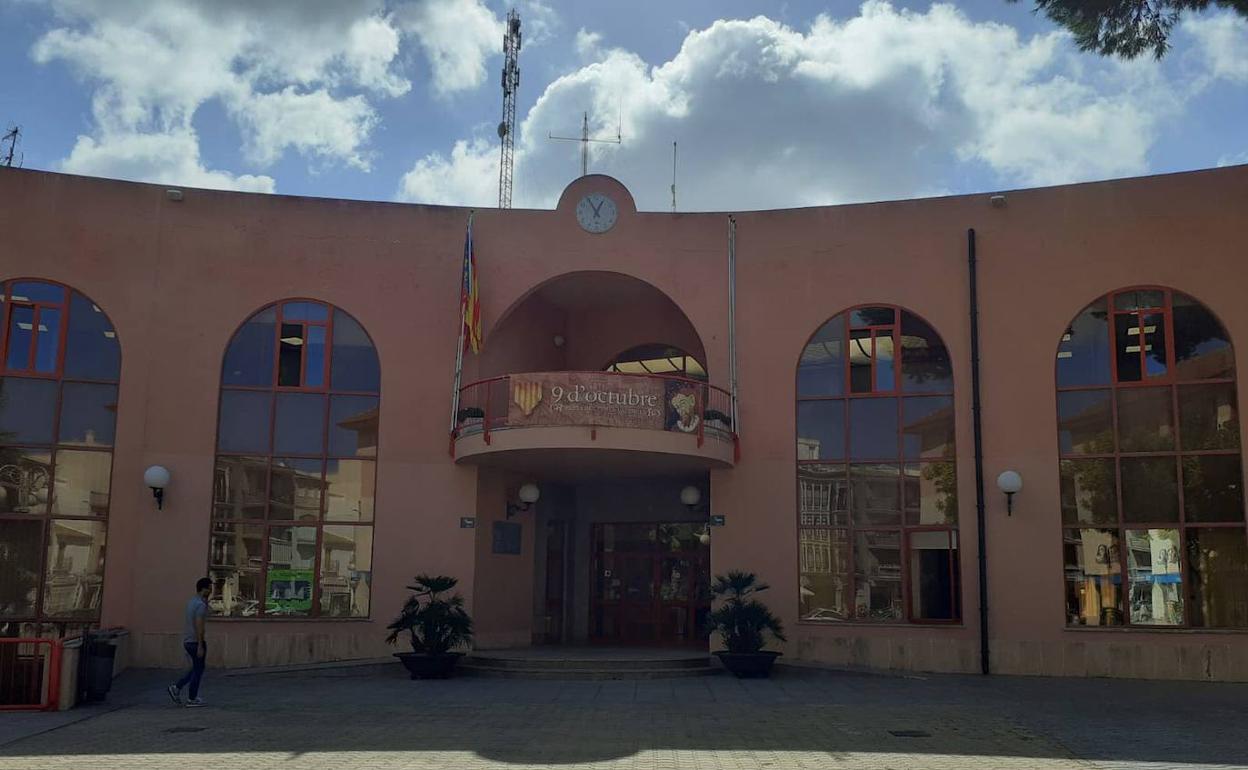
(176, 277)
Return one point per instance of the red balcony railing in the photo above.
(30, 674)
(595, 400)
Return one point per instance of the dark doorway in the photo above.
(650, 584)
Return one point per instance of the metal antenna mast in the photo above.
(507, 128)
(585, 139)
(11, 137)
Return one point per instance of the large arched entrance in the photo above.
(592, 393)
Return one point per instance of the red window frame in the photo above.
(1172, 382)
(846, 462)
(324, 457)
(55, 447)
(37, 306)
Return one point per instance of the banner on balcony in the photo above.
(604, 399)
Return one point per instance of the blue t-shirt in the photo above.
(195, 608)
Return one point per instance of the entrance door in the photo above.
(650, 584)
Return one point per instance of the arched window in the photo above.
(876, 481)
(294, 490)
(657, 359)
(58, 409)
(1151, 485)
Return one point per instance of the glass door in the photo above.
(650, 584)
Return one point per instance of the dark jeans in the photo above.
(196, 673)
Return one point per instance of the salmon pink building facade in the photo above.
(824, 396)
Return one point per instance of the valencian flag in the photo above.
(469, 300)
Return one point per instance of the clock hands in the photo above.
(597, 209)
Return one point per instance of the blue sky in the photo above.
(772, 104)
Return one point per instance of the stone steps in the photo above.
(589, 668)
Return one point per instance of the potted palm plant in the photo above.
(743, 622)
(436, 625)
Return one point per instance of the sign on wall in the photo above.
(606, 400)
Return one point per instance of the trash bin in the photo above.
(101, 652)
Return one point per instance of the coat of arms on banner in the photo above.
(527, 394)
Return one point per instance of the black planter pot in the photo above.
(422, 666)
(748, 665)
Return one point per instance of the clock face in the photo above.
(596, 213)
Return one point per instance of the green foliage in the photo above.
(1126, 28)
(436, 624)
(945, 478)
(741, 620)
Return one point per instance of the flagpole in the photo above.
(459, 349)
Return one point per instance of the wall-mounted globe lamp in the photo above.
(690, 496)
(1011, 484)
(529, 493)
(157, 478)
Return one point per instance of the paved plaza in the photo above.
(373, 717)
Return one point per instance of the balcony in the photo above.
(590, 421)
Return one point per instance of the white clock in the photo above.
(596, 213)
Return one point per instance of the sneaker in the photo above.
(175, 694)
(195, 703)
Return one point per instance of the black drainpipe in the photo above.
(979, 457)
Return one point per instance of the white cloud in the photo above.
(588, 44)
(164, 158)
(1222, 40)
(294, 75)
(457, 37)
(884, 104)
(538, 23)
(471, 173)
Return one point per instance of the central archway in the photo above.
(579, 321)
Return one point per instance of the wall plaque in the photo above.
(507, 538)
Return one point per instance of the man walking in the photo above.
(193, 643)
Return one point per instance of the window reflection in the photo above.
(1202, 348)
(1145, 420)
(877, 576)
(1150, 489)
(298, 470)
(54, 483)
(873, 429)
(821, 371)
(823, 495)
(1093, 577)
(25, 480)
(1083, 353)
(74, 572)
(1165, 481)
(299, 425)
(1156, 576)
(27, 410)
(88, 414)
(877, 496)
(350, 488)
(823, 593)
(249, 356)
(821, 430)
(1085, 423)
(1219, 573)
(82, 483)
(928, 427)
(1089, 492)
(1208, 416)
(346, 571)
(354, 361)
(21, 543)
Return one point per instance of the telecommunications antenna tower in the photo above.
(507, 128)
